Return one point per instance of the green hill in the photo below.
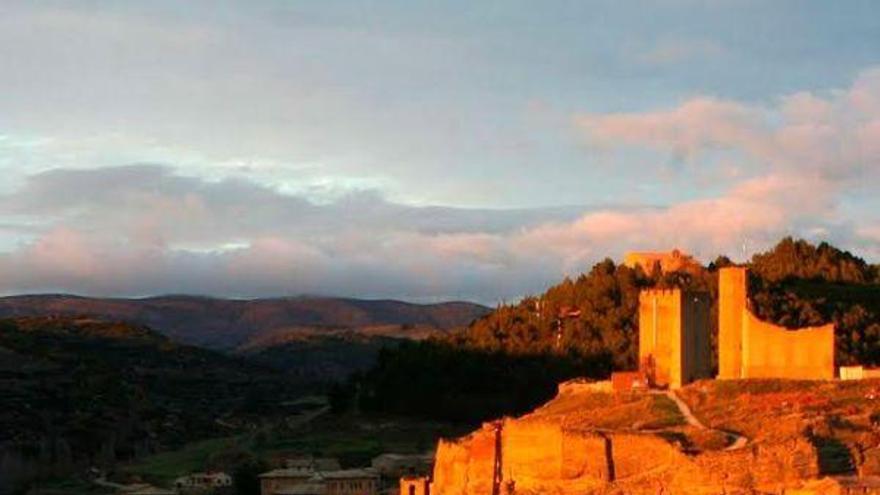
(79, 392)
(588, 326)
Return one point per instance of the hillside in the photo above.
(590, 324)
(227, 324)
(736, 437)
(79, 392)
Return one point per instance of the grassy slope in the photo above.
(354, 440)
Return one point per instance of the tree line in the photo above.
(511, 359)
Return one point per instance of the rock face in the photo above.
(545, 453)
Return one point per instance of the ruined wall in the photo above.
(660, 335)
(536, 456)
(451, 466)
(541, 457)
(731, 305)
(674, 336)
(670, 261)
(771, 351)
(751, 348)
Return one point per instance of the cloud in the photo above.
(833, 136)
(146, 229)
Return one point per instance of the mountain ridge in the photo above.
(227, 324)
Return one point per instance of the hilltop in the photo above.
(734, 437)
(587, 326)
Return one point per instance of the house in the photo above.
(858, 373)
(392, 467)
(351, 482)
(415, 485)
(280, 481)
(313, 464)
(301, 480)
(203, 481)
(622, 381)
(311, 487)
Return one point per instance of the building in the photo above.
(666, 262)
(674, 346)
(301, 481)
(623, 381)
(351, 482)
(280, 481)
(203, 481)
(392, 467)
(313, 464)
(858, 373)
(751, 348)
(315, 487)
(398, 465)
(415, 485)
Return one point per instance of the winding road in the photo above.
(739, 441)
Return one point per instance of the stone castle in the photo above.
(666, 262)
(674, 337)
(534, 454)
(674, 347)
(751, 348)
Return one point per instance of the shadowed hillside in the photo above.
(79, 392)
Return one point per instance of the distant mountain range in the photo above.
(250, 325)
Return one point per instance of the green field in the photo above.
(353, 439)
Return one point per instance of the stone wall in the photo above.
(541, 457)
(674, 336)
(731, 306)
(751, 348)
(670, 261)
(771, 351)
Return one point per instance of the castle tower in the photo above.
(731, 307)
(674, 347)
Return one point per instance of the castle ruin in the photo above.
(674, 347)
(751, 348)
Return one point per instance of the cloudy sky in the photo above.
(424, 150)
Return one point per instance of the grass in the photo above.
(69, 486)
(664, 413)
(354, 440)
(162, 469)
(613, 411)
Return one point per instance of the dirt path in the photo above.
(739, 441)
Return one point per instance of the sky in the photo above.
(424, 151)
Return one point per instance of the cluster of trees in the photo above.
(80, 392)
(511, 359)
(443, 380)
